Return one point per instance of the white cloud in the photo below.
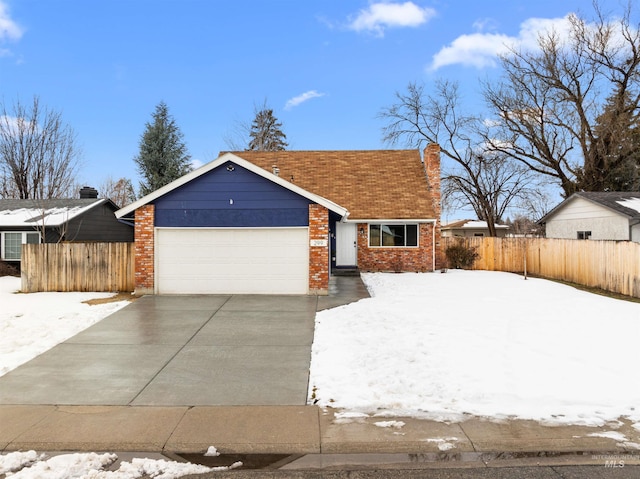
(482, 49)
(387, 15)
(9, 29)
(14, 126)
(296, 100)
(195, 163)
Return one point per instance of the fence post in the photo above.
(525, 258)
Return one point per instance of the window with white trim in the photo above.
(12, 242)
(393, 235)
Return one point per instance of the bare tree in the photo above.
(121, 192)
(489, 183)
(236, 138)
(264, 133)
(39, 157)
(486, 181)
(547, 102)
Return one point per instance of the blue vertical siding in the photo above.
(237, 198)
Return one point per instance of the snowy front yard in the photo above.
(443, 346)
(439, 346)
(432, 345)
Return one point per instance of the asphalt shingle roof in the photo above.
(371, 184)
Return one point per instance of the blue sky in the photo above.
(325, 67)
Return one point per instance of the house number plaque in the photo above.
(318, 242)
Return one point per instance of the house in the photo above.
(282, 222)
(87, 218)
(597, 216)
(471, 228)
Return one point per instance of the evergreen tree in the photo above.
(163, 155)
(617, 143)
(266, 132)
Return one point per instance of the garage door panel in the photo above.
(248, 261)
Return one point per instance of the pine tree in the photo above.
(163, 155)
(617, 143)
(266, 132)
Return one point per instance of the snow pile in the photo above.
(30, 324)
(29, 465)
(212, 452)
(66, 466)
(444, 443)
(14, 461)
(443, 346)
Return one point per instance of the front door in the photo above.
(346, 244)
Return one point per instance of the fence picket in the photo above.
(609, 265)
(103, 267)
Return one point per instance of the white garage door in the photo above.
(242, 261)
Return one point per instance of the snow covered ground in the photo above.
(439, 346)
(30, 324)
(444, 346)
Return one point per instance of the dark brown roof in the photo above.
(375, 184)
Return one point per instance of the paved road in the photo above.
(526, 472)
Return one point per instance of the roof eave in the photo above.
(390, 220)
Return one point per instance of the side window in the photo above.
(12, 246)
(12, 242)
(584, 235)
(393, 235)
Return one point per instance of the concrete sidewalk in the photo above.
(294, 430)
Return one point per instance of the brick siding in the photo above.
(318, 255)
(395, 259)
(144, 249)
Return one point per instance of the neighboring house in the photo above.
(597, 216)
(471, 228)
(51, 221)
(280, 222)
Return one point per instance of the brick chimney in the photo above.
(432, 169)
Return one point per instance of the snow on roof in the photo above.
(32, 217)
(475, 224)
(480, 224)
(631, 203)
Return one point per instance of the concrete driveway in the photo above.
(184, 351)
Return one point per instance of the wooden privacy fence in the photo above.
(609, 265)
(107, 267)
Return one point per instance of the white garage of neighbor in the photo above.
(232, 260)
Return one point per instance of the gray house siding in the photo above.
(99, 224)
